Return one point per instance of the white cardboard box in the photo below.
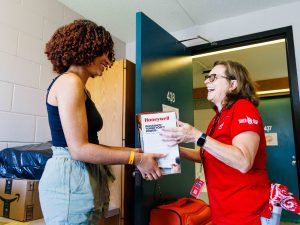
(149, 126)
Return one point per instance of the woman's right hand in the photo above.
(148, 166)
(183, 133)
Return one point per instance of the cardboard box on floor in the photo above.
(19, 199)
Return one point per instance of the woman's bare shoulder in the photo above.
(69, 86)
(71, 79)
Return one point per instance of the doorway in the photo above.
(280, 147)
(281, 73)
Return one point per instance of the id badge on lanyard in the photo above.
(198, 185)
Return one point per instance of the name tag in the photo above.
(197, 187)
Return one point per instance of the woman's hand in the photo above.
(148, 167)
(183, 133)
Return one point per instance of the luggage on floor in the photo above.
(185, 211)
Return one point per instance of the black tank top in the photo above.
(94, 120)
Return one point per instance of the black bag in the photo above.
(25, 162)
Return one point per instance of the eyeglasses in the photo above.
(212, 77)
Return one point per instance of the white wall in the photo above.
(268, 19)
(25, 73)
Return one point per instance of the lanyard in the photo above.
(211, 131)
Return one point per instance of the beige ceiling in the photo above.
(118, 16)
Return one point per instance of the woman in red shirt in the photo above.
(233, 149)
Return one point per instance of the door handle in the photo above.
(294, 162)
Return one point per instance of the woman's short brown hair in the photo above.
(245, 86)
(78, 43)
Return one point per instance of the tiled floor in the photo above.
(35, 222)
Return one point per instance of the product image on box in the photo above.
(19, 199)
(149, 126)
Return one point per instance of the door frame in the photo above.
(287, 34)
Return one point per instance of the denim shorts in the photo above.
(275, 217)
(72, 192)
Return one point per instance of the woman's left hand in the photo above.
(183, 133)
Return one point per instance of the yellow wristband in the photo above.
(131, 158)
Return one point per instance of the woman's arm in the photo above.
(190, 154)
(240, 155)
(121, 148)
(72, 111)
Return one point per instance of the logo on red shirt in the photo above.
(221, 126)
(248, 120)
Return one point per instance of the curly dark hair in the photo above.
(78, 43)
(246, 88)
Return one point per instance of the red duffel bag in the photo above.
(185, 211)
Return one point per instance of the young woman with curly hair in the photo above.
(73, 188)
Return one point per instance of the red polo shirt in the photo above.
(238, 198)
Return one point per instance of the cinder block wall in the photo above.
(25, 73)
